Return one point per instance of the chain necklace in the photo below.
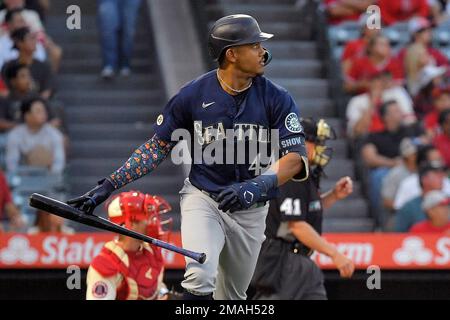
(230, 88)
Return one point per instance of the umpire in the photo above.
(294, 224)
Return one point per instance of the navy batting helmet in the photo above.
(235, 30)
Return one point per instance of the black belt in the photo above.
(297, 247)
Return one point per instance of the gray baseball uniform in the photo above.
(231, 243)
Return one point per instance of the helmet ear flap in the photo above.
(267, 57)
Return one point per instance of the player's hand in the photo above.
(239, 196)
(343, 188)
(344, 265)
(94, 197)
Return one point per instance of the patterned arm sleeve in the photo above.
(143, 161)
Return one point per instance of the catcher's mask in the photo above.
(318, 132)
(135, 206)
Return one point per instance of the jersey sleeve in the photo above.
(100, 287)
(286, 120)
(176, 115)
(289, 203)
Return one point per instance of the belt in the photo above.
(297, 247)
(300, 248)
(214, 197)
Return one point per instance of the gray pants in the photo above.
(231, 242)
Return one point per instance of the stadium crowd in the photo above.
(397, 115)
(33, 138)
(33, 134)
(398, 110)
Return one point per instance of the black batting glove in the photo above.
(90, 200)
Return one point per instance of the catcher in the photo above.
(126, 268)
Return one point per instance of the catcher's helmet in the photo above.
(318, 132)
(235, 30)
(135, 206)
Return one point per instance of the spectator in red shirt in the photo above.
(436, 206)
(356, 49)
(393, 11)
(442, 140)
(378, 59)
(363, 110)
(441, 100)
(420, 30)
(345, 10)
(8, 211)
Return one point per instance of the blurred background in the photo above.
(81, 84)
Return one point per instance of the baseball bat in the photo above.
(66, 211)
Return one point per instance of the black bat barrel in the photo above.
(66, 211)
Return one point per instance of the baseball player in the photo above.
(224, 202)
(294, 224)
(126, 268)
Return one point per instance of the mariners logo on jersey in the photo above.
(160, 120)
(292, 123)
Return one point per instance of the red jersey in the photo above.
(393, 11)
(354, 49)
(135, 275)
(427, 227)
(334, 20)
(442, 143)
(363, 68)
(431, 121)
(5, 195)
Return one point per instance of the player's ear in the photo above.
(230, 55)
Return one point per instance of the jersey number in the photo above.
(258, 167)
(291, 207)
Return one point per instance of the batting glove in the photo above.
(241, 196)
(94, 197)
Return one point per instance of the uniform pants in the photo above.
(231, 241)
(301, 279)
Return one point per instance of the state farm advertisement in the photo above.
(59, 251)
(388, 251)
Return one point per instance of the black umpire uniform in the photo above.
(284, 269)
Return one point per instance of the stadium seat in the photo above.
(441, 37)
(2, 150)
(339, 35)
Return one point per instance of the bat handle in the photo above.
(199, 257)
